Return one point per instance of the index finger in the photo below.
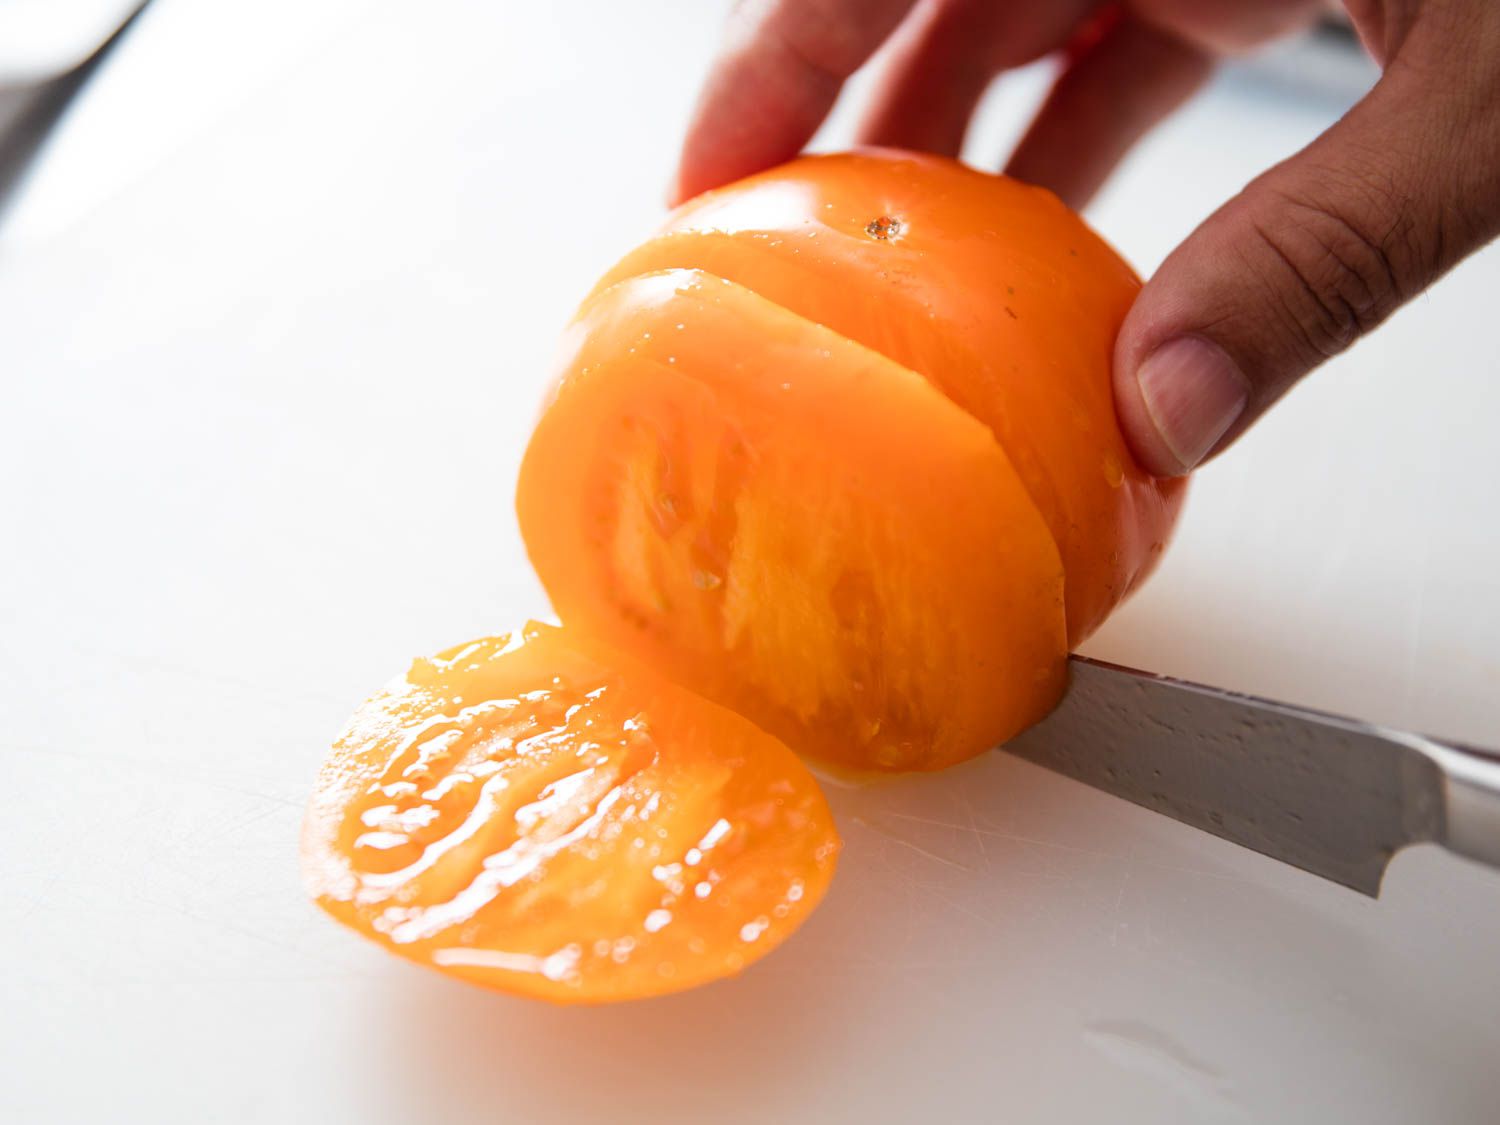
(782, 65)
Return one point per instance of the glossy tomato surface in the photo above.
(539, 815)
(792, 524)
(992, 289)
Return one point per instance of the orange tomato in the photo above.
(990, 288)
(867, 582)
(793, 525)
(541, 816)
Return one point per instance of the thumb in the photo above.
(1316, 252)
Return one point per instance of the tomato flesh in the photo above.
(792, 525)
(542, 816)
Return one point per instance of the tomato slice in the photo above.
(539, 815)
(793, 525)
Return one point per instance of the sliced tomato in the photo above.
(793, 525)
(539, 815)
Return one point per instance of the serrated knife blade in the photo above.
(1333, 796)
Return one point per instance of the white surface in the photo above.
(40, 39)
(275, 318)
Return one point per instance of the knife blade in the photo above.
(29, 111)
(1333, 796)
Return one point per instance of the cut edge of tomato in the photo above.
(597, 296)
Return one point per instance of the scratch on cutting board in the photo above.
(973, 826)
(996, 834)
(953, 904)
(889, 834)
(1146, 1051)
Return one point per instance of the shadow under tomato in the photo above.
(952, 855)
(990, 932)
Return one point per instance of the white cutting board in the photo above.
(273, 321)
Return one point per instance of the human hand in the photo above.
(1307, 258)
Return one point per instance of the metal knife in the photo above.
(28, 112)
(1333, 796)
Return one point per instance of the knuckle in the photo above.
(1340, 267)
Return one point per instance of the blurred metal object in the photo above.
(29, 111)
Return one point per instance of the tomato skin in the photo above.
(993, 290)
(792, 525)
(537, 814)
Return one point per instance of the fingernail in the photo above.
(1193, 392)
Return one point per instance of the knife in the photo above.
(29, 111)
(1333, 796)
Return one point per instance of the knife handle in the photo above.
(1470, 788)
